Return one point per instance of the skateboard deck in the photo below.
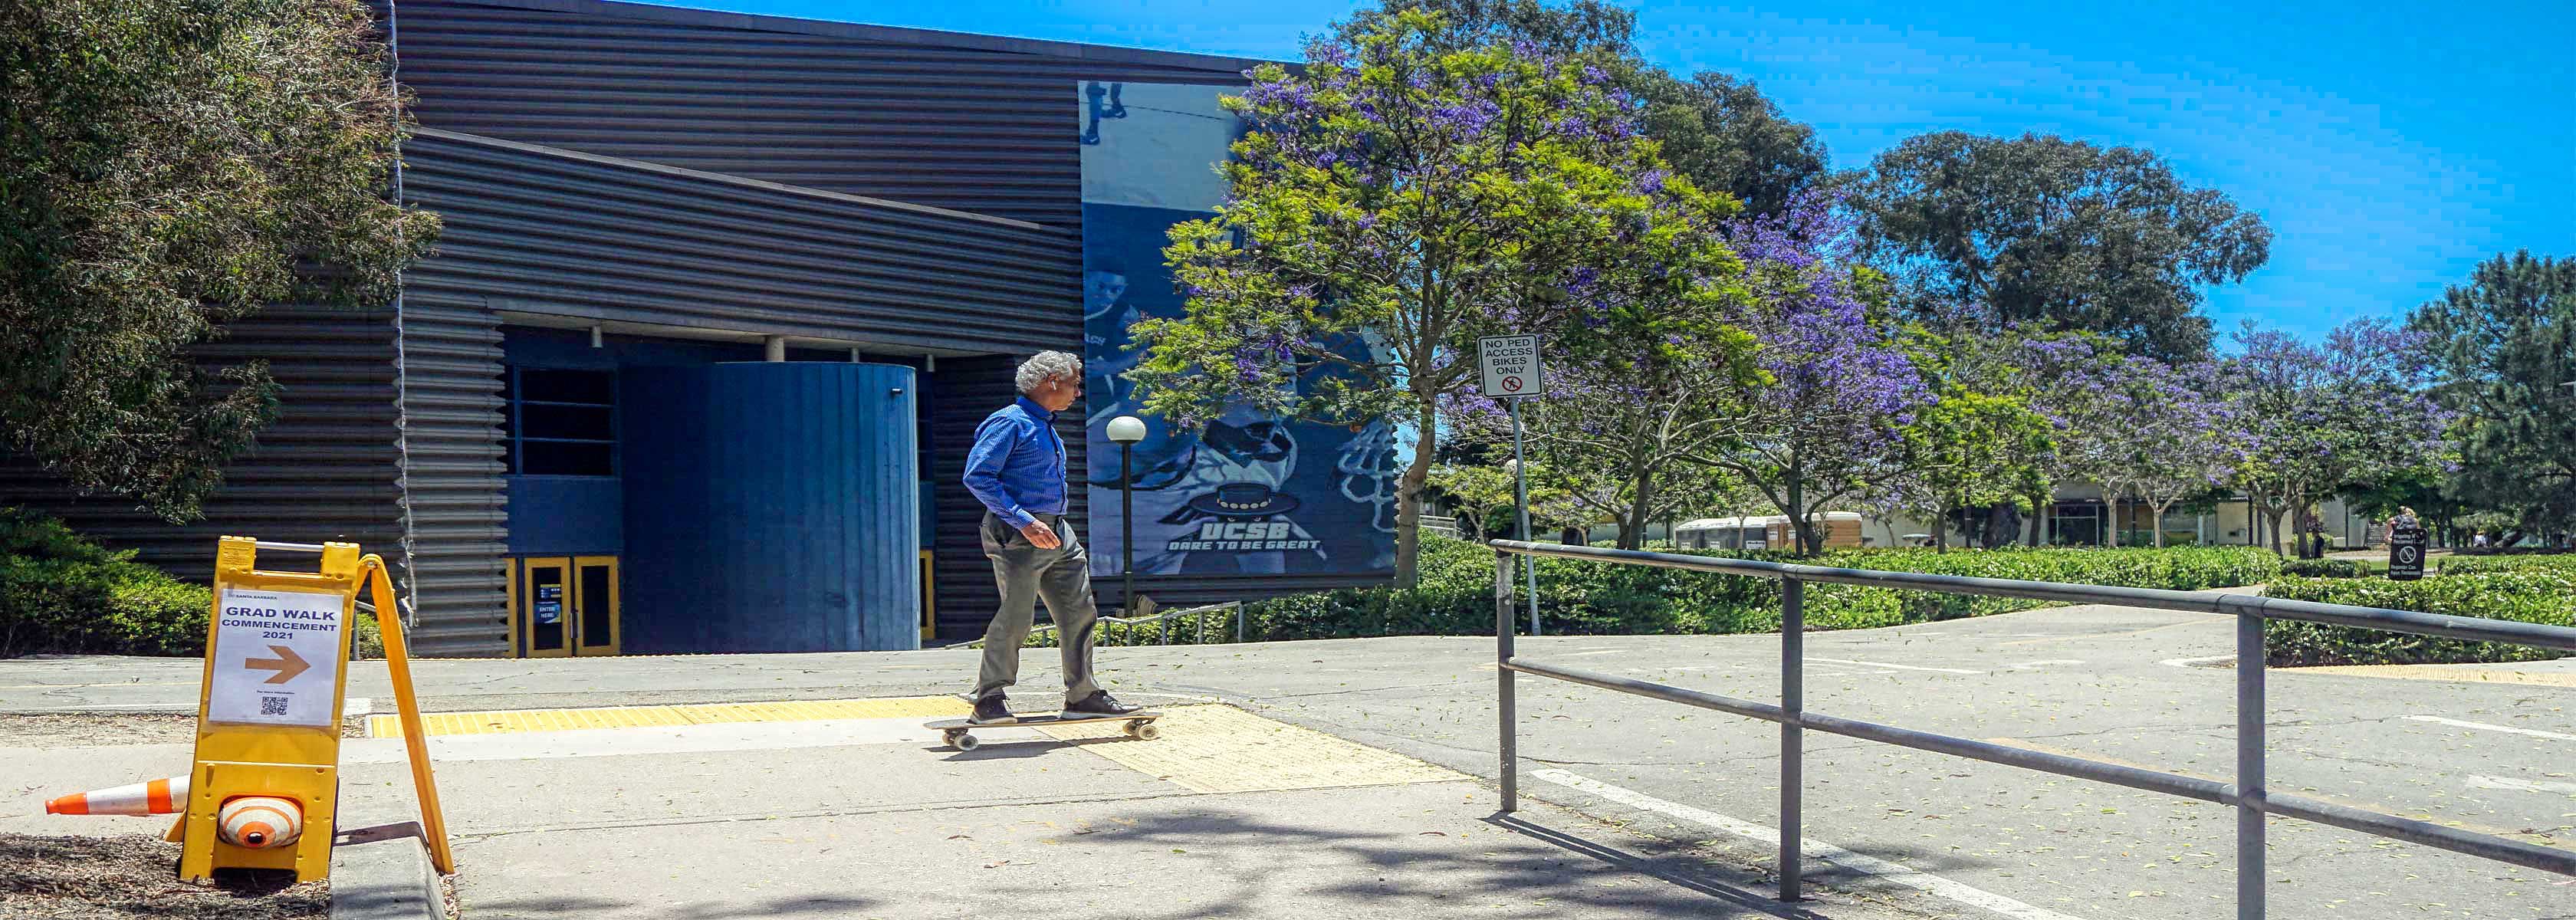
(959, 734)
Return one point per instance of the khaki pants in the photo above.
(1025, 573)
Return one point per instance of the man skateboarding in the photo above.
(1017, 469)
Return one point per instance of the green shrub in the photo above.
(1456, 594)
(2325, 568)
(61, 593)
(2531, 596)
(2550, 562)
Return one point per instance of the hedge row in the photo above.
(2326, 568)
(2564, 563)
(2537, 595)
(60, 593)
(1456, 594)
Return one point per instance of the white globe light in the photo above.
(1126, 429)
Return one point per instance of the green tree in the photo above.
(1996, 233)
(2503, 348)
(1728, 137)
(1588, 29)
(165, 166)
(1976, 444)
(1393, 202)
(1715, 128)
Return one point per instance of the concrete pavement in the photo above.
(1678, 787)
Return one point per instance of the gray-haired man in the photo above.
(1017, 470)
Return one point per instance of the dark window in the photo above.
(560, 423)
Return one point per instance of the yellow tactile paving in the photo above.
(547, 720)
(1224, 749)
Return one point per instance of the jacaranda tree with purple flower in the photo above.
(1399, 198)
(2351, 412)
(2166, 434)
(1839, 389)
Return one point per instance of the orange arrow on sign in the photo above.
(287, 664)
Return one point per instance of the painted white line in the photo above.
(2534, 732)
(1900, 667)
(357, 706)
(2195, 662)
(2523, 785)
(2044, 662)
(1848, 860)
(671, 739)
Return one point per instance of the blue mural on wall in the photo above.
(1246, 493)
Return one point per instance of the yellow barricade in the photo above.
(269, 712)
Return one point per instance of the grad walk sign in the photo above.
(276, 657)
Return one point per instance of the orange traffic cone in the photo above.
(158, 797)
(260, 821)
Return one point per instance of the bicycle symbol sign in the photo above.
(1510, 363)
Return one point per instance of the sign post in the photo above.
(1511, 370)
(2406, 553)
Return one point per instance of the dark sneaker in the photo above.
(991, 711)
(1099, 703)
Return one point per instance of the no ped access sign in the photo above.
(1510, 363)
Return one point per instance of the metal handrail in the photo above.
(2405, 621)
(2247, 795)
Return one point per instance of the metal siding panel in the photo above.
(322, 471)
(985, 129)
(771, 507)
(453, 493)
(531, 231)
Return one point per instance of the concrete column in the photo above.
(774, 348)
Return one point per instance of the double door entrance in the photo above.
(564, 605)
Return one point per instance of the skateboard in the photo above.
(957, 733)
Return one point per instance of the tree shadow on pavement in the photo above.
(594, 906)
(1254, 867)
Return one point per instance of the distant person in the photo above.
(2478, 538)
(2405, 520)
(1017, 470)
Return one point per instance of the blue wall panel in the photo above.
(566, 516)
(771, 507)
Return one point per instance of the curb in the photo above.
(383, 873)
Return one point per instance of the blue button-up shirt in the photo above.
(1017, 466)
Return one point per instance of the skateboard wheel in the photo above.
(966, 742)
(1143, 731)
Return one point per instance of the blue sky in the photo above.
(2390, 146)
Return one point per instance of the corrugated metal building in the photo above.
(628, 186)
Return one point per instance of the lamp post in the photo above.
(1127, 430)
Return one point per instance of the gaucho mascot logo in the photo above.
(1241, 517)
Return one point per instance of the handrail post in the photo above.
(1507, 743)
(1793, 658)
(2249, 765)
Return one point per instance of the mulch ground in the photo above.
(134, 875)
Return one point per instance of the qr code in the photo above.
(272, 705)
